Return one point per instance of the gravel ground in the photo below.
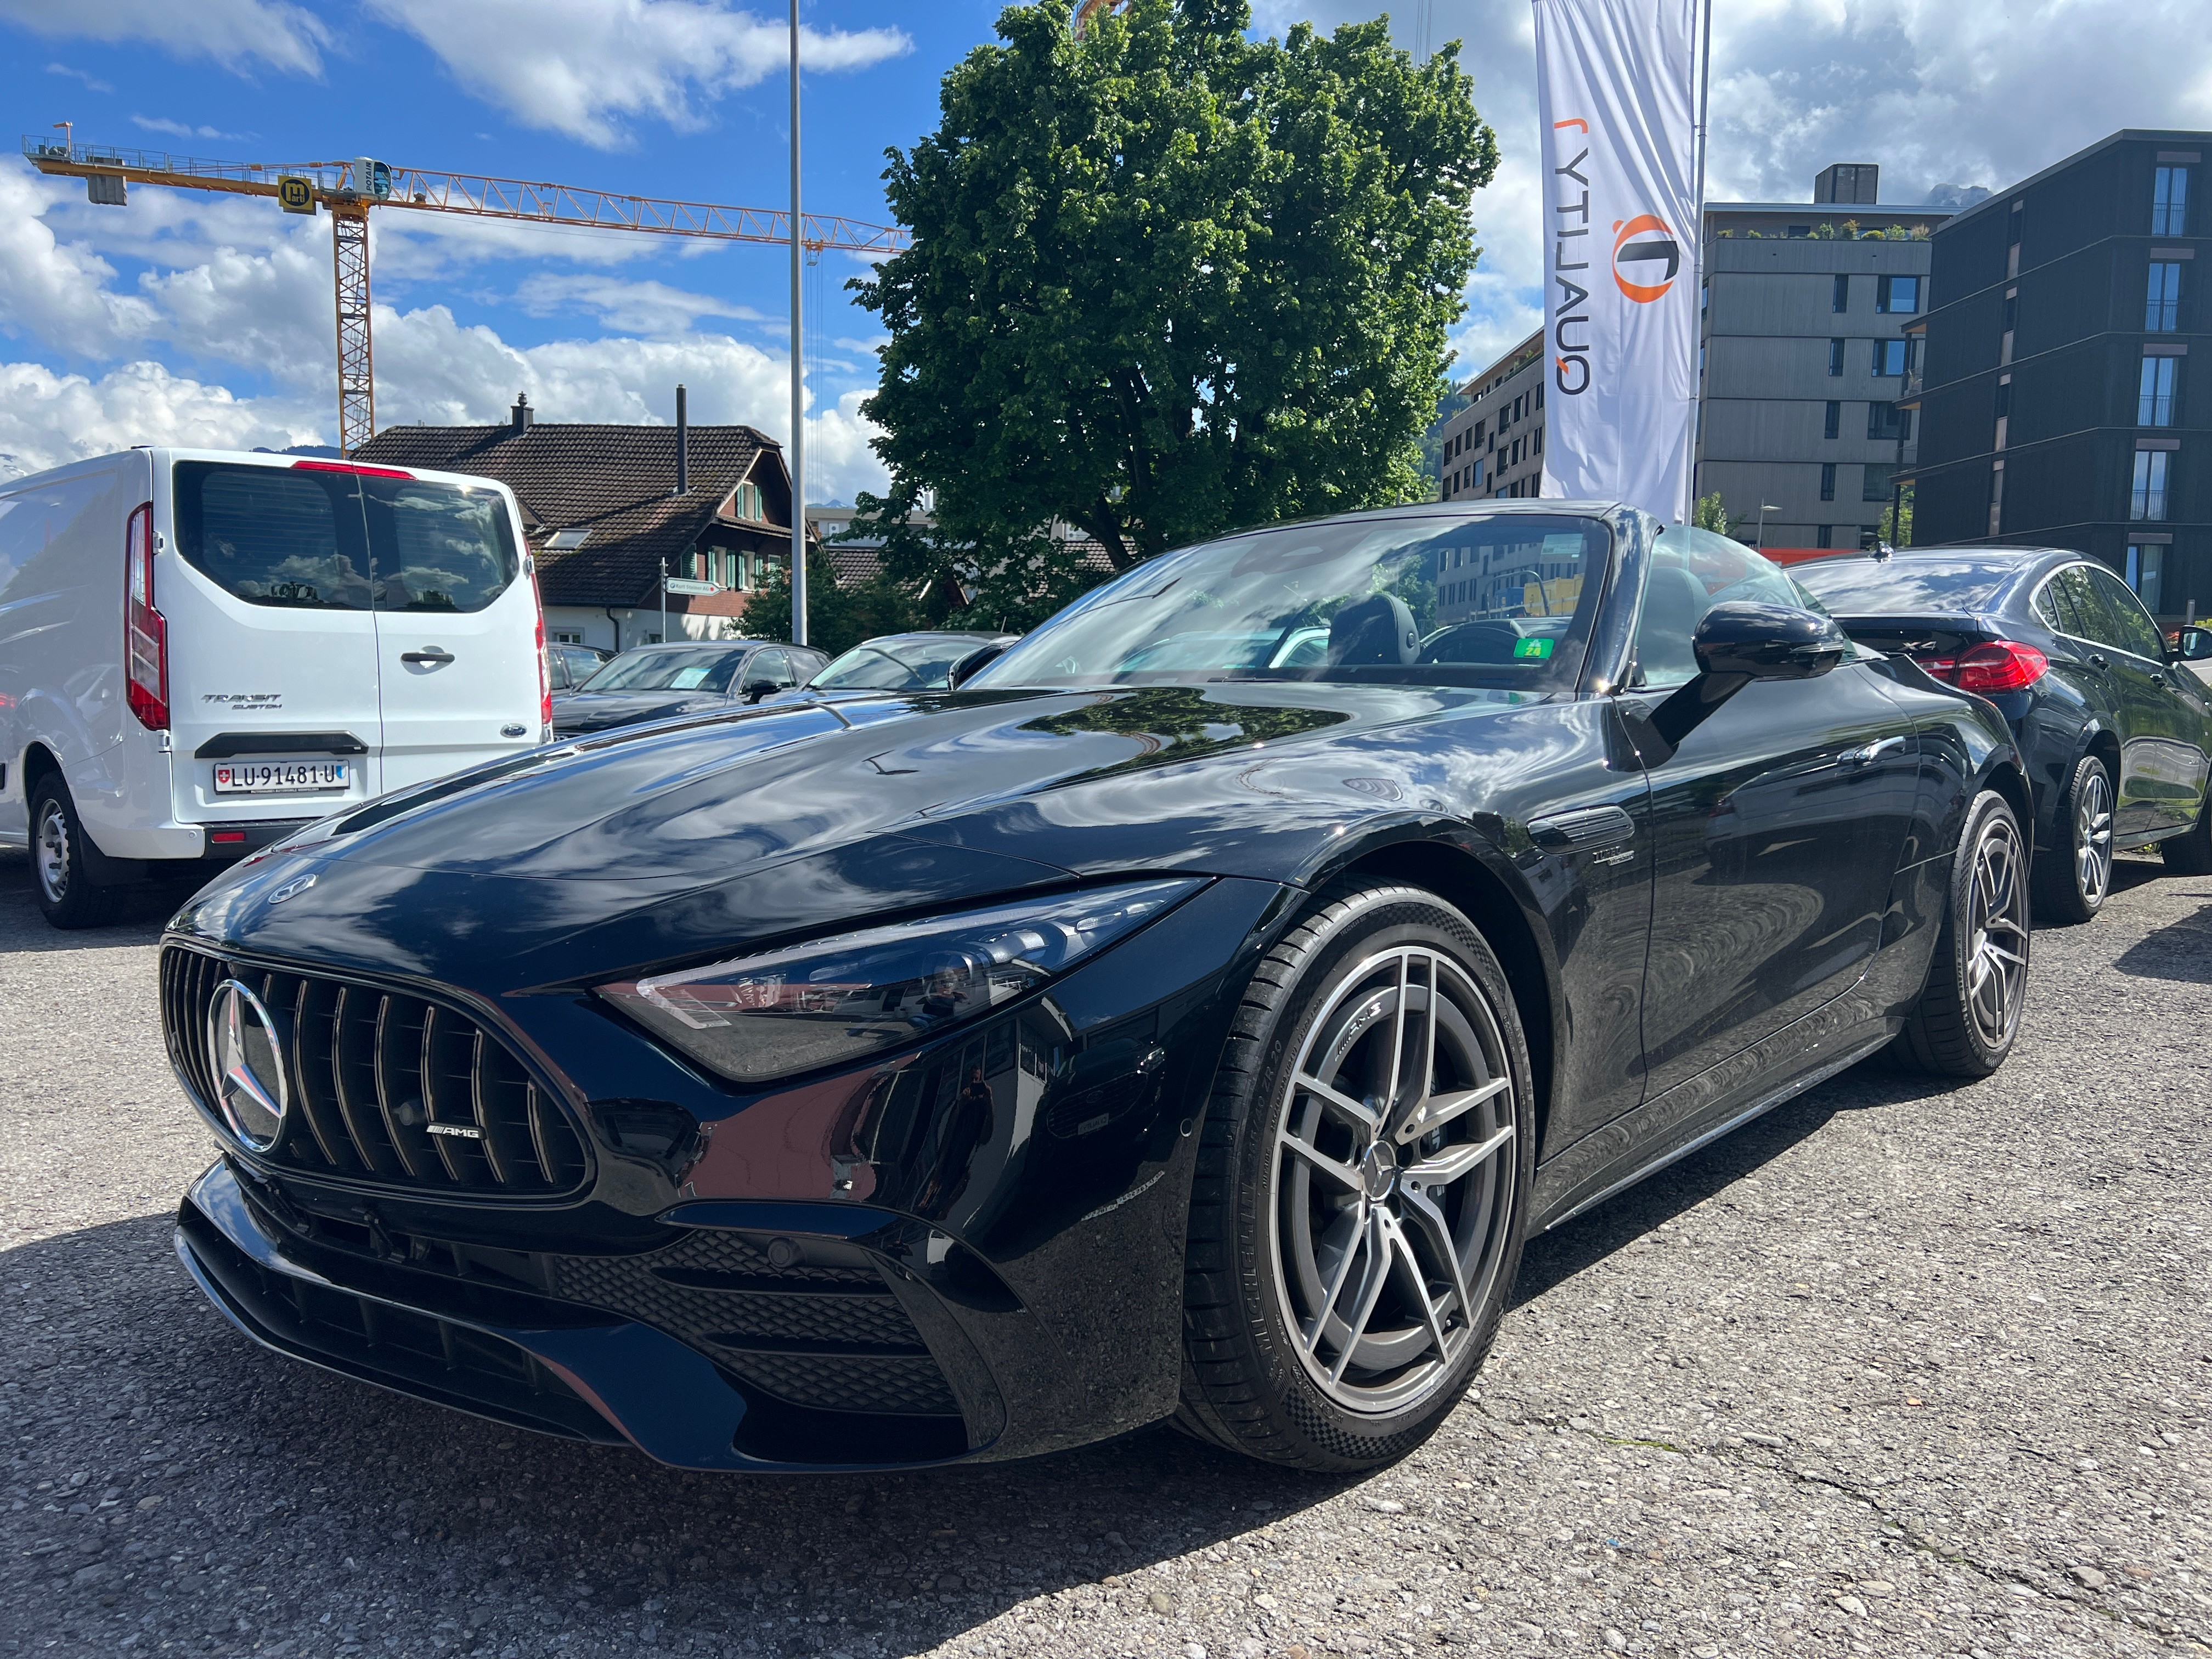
(1896, 1371)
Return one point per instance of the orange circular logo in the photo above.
(1639, 247)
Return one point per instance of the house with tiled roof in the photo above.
(857, 557)
(606, 507)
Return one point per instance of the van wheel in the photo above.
(58, 874)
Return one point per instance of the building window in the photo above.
(1888, 423)
(1996, 497)
(2004, 412)
(2154, 391)
(1536, 442)
(1825, 536)
(2146, 564)
(2013, 236)
(2169, 202)
(1835, 357)
(1898, 295)
(1835, 424)
(2147, 499)
(1827, 481)
(2163, 310)
(1841, 299)
(1888, 359)
(566, 636)
(1874, 482)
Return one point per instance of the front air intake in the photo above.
(381, 1087)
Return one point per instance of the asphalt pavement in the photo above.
(1900, 1369)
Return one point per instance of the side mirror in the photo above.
(2193, 645)
(1736, 643)
(968, 667)
(754, 691)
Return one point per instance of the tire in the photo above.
(60, 880)
(2191, 853)
(1968, 1015)
(2074, 879)
(1284, 1243)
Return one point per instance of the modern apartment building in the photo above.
(2054, 395)
(1802, 365)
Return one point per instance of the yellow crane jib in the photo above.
(348, 189)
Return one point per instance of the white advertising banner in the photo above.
(1617, 97)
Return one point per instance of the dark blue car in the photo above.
(2114, 734)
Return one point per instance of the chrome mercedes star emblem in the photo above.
(249, 1067)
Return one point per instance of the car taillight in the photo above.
(545, 678)
(145, 634)
(1996, 665)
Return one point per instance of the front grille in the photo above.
(371, 1074)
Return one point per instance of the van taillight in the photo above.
(1997, 665)
(145, 635)
(545, 678)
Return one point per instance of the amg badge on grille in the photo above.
(464, 1131)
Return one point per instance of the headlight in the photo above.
(833, 1000)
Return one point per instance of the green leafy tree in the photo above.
(1896, 519)
(1711, 512)
(1164, 281)
(838, 618)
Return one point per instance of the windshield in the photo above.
(707, 669)
(902, 665)
(316, 540)
(1502, 600)
(1861, 587)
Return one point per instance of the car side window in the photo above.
(770, 665)
(2135, 632)
(2092, 617)
(1691, 571)
(2053, 606)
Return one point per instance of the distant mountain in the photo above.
(1957, 197)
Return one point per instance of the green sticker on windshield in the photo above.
(1532, 648)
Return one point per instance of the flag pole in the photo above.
(798, 369)
(1698, 382)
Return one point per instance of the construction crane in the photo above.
(348, 189)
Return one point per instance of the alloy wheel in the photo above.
(51, 851)
(1996, 934)
(2092, 837)
(1393, 1178)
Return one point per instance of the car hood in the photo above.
(700, 833)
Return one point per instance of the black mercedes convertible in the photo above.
(1190, 1017)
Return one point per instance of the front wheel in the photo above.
(1363, 1186)
(1968, 1015)
(2191, 855)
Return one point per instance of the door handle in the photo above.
(2098, 660)
(428, 653)
(1871, 753)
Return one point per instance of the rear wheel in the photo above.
(59, 878)
(2072, 879)
(1968, 1015)
(1363, 1186)
(2191, 855)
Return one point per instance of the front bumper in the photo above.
(523, 1360)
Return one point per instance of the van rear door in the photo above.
(272, 642)
(457, 624)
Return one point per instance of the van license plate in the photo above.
(278, 777)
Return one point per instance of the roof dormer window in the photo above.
(562, 540)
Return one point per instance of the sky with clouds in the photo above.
(203, 319)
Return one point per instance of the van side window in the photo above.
(271, 536)
(437, 547)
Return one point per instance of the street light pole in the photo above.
(1765, 507)
(664, 599)
(798, 380)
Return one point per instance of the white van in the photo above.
(202, 650)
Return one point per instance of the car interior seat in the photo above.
(1378, 632)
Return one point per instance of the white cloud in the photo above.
(91, 84)
(179, 129)
(48, 419)
(584, 67)
(236, 33)
(56, 293)
(632, 307)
